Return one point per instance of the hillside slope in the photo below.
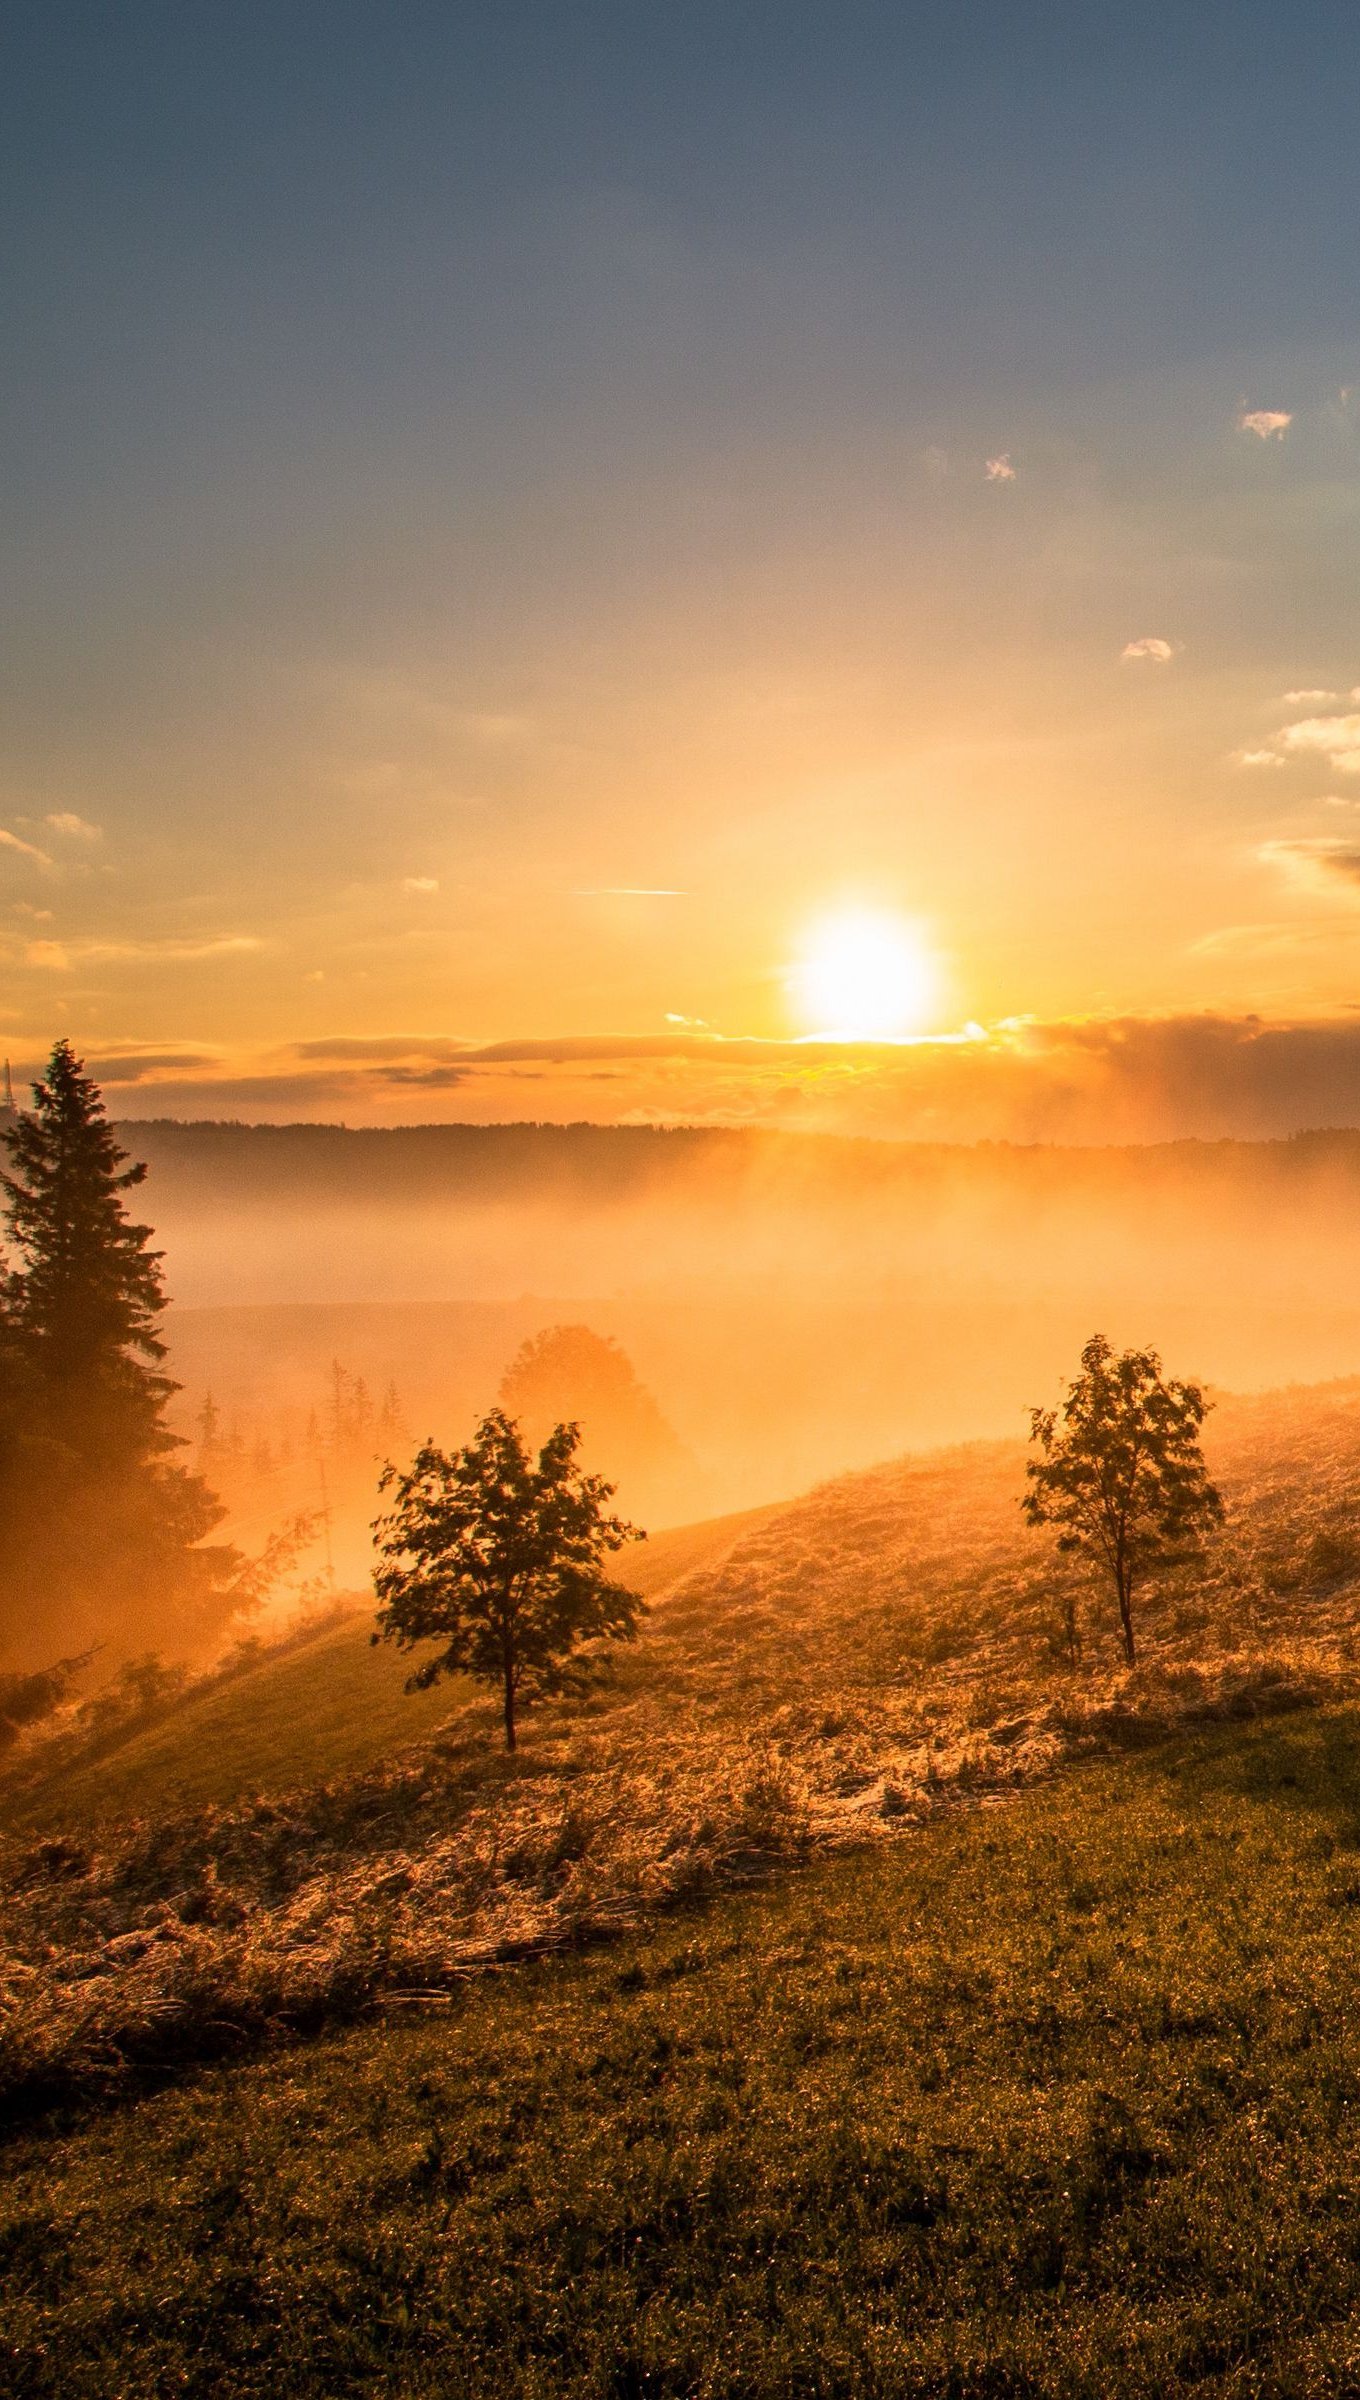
(337, 1706)
(849, 1667)
(1054, 2102)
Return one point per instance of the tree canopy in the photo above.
(500, 1558)
(569, 1374)
(1120, 1470)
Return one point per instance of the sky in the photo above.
(751, 562)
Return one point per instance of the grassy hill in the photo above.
(1028, 2066)
(886, 1651)
(1054, 2100)
(335, 1707)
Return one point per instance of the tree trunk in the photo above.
(1125, 1584)
(509, 1709)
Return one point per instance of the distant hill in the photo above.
(417, 1163)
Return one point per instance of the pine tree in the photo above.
(106, 1537)
(86, 1304)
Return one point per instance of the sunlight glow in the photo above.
(864, 975)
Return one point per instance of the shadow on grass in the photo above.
(1296, 1766)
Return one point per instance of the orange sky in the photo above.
(511, 549)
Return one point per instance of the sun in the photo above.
(865, 975)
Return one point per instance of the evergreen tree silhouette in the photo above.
(86, 1306)
(105, 1537)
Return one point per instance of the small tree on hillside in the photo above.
(501, 1559)
(1121, 1472)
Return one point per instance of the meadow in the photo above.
(1052, 2098)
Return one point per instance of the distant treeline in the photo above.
(387, 1164)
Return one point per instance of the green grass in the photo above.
(336, 1706)
(298, 1718)
(1055, 2097)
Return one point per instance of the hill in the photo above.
(885, 1651)
(335, 1706)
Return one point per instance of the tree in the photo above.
(87, 1302)
(501, 1559)
(104, 1534)
(571, 1374)
(1121, 1472)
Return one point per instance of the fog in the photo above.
(795, 1305)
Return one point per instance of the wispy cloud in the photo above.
(1257, 758)
(419, 883)
(1268, 424)
(1150, 645)
(61, 957)
(999, 469)
(1317, 863)
(11, 841)
(380, 1049)
(143, 1066)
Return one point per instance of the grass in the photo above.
(335, 1707)
(1051, 2098)
(336, 1704)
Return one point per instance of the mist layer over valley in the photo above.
(794, 1306)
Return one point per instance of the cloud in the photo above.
(1313, 699)
(380, 1049)
(1337, 739)
(63, 955)
(141, 1066)
(439, 1079)
(999, 469)
(74, 829)
(1318, 864)
(1266, 423)
(1089, 1081)
(419, 883)
(11, 841)
(1149, 645)
(1257, 758)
